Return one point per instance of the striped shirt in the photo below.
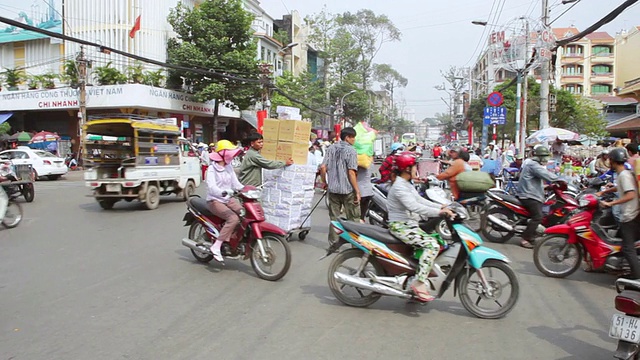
(339, 159)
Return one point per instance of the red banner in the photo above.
(261, 114)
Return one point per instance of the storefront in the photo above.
(56, 110)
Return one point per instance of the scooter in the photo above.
(13, 214)
(589, 233)
(505, 216)
(379, 264)
(626, 328)
(253, 239)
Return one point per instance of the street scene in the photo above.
(259, 179)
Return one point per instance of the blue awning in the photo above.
(4, 117)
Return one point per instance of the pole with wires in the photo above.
(81, 62)
(544, 74)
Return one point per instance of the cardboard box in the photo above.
(289, 150)
(269, 150)
(270, 129)
(295, 131)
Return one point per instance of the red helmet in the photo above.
(403, 161)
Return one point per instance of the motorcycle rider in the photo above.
(629, 208)
(457, 166)
(530, 191)
(603, 164)
(403, 202)
(221, 183)
(387, 164)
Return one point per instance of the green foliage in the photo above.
(70, 73)
(107, 75)
(302, 88)
(45, 81)
(13, 77)
(389, 77)
(5, 127)
(135, 73)
(153, 78)
(216, 35)
(282, 36)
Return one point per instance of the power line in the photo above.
(564, 12)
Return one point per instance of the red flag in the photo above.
(135, 28)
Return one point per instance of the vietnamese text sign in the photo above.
(495, 115)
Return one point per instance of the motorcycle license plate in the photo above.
(625, 328)
(113, 187)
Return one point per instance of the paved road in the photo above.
(77, 282)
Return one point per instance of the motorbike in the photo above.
(253, 239)
(379, 265)
(589, 233)
(504, 216)
(429, 189)
(626, 328)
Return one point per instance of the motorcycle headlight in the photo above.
(253, 194)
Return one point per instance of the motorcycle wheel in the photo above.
(13, 216)
(555, 250)
(29, 192)
(472, 292)
(198, 234)
(263, 266)
(347, 294)
(492, 234)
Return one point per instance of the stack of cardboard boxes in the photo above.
(286, 139)
(287, 196)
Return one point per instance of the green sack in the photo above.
(364, 140)
(474, 181)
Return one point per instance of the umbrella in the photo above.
(551, 134)
(20, 136)
(44, 136)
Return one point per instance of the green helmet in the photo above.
(541, 151)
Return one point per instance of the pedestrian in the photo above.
(253, 162)
(632, 149)
(558, 149)
(366, 189)
(339, 173)
(530, 191)
(204, 161)
(629, 208)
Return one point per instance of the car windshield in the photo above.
(45, 154)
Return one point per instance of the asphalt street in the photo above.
(77, 282)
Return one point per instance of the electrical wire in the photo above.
(564, 12)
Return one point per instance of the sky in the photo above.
(439, 34)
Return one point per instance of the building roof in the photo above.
(631, 124)
(600, 36)
(614, 100)
(561, 33)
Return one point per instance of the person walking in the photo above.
(253, 162)
(339, 173)
(366, 189)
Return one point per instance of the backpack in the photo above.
(474, 181)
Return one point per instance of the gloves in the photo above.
(227, 193)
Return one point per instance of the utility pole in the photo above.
(544, 83)
(81, 62)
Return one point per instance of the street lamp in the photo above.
(342, 101)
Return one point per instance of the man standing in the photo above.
(558, 149)
(629, 208)
(339, 172)
(253, 162)
(531, 191)
(492, 151)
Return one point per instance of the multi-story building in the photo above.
(109, 23)
(586, 66)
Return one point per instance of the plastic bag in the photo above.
(364, 161)
(364, 140)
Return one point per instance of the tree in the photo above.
(370, 32)
(390, 79)
(5, 127)
(302, 88)
(215, 36)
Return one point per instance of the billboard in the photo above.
(43, 14)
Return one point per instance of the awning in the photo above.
(4, 117)
(631, 124)
(250, 116)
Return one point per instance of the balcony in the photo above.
(600, 77)
(573, 55)
(573, 78)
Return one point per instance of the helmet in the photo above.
(403, 161)
(605, 152)
(456, 149)
(541, 151)
(396, 147)
(618, 155)
(224, 145)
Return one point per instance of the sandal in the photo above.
(422, 296)
(526, 244)
(217, 256)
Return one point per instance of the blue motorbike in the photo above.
(379, 264)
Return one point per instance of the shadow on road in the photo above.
(215, 267)
(123, 206)
(601, 279)
(569, 343)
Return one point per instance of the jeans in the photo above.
(630, 231)
(338, 202)
(535, 211)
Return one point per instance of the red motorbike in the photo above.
(504, 216)
(589, 233)
(264, 243)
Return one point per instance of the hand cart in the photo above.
(21, 182)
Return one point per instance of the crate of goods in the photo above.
(288, 150)
(270, 129)
(269, 149)
(294, 131)
(287, 196)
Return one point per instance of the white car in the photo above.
(43, 162)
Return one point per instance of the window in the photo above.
(263, 54)
(269, 57)
(601, 50)
(572, 70)
(600, 89)
(601, 69)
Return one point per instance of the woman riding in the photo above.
(221, 183)
(403, 203)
